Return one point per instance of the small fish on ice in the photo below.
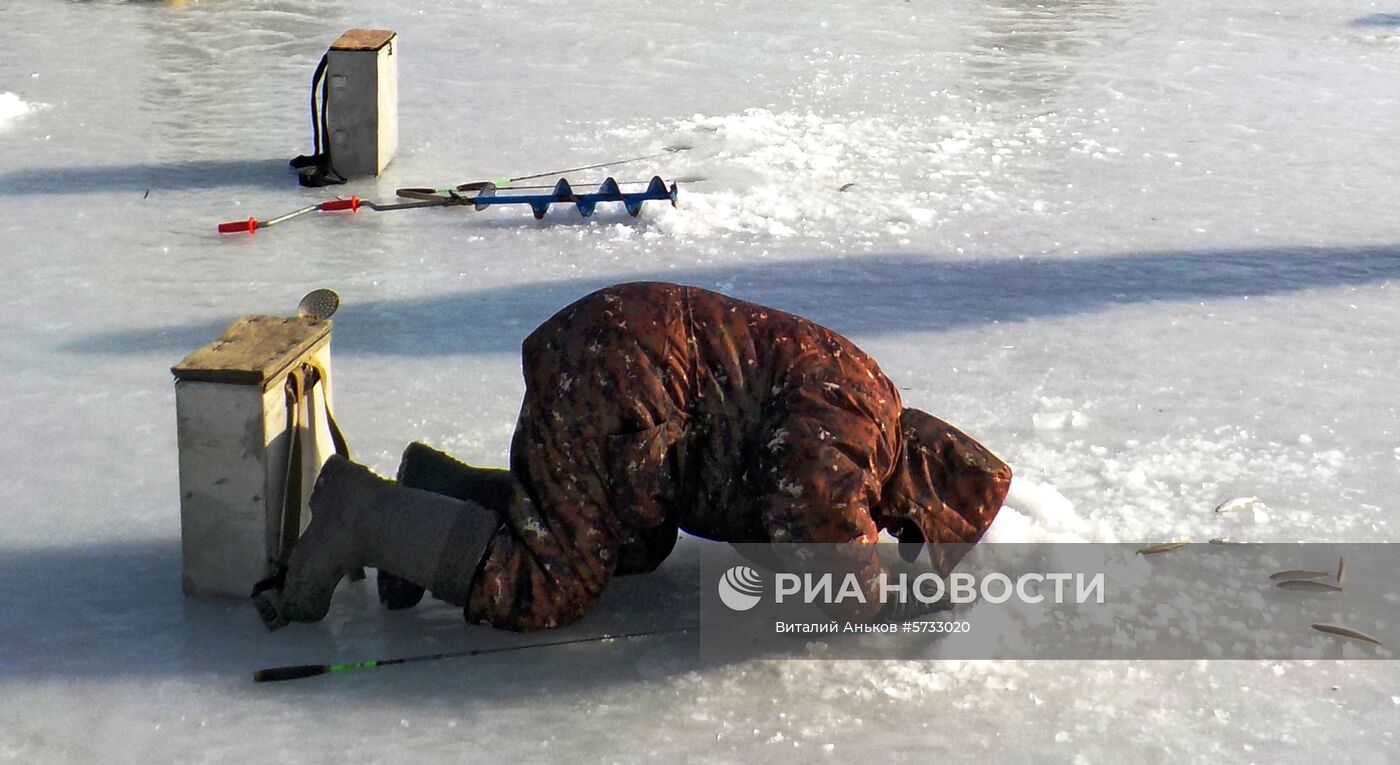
(1346, 632)
(1161, 548)
(1309, 585)
(1236, 504)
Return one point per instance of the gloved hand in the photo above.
(896, 612)
(912, 607)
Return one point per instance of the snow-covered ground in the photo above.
(1146, 250)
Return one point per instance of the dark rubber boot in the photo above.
(359, 519)
(424, 467)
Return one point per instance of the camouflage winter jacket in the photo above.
(652, 406)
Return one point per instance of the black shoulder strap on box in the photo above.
(315, 169)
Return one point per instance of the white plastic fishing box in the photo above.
(240, 401)
(363, 101)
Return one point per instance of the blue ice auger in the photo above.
(487, 194)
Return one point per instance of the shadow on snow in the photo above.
(858, 296)
(114, 610)
(158, 176)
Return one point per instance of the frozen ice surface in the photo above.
(1166, 229)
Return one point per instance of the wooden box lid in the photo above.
(363, 39)
(254, 350)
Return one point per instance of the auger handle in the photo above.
(239, 226)
(352, 204)
(295, 672)
(420, 193)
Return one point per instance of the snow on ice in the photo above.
(12, 108)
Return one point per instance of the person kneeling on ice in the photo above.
(648, 408)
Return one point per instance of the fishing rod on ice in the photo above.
(424, 193)
(298, 671)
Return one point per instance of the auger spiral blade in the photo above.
(563, 192)
(609, 191)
